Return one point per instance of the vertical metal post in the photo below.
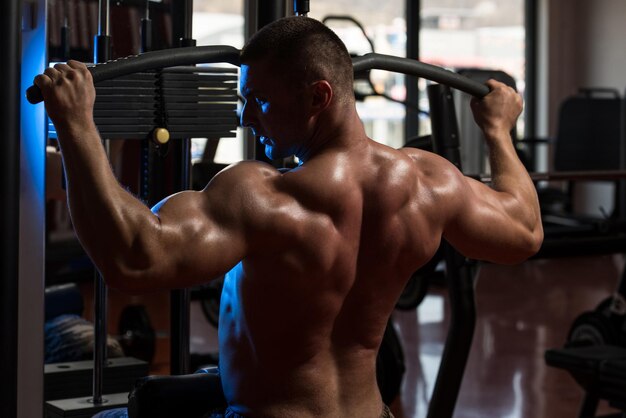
(188, 23)
(413, 24)
(146, 30)
(102, 42)
(182, 20)
(148, 149)
(270, 10)
(102, 53)
(180, 299)
(301, 7)
(445, 128)
(530, 92)
(251, 18)
(104, 17)
(100, 337)
(31, 242)
(9, 210)
(267, 12)
(459, 271)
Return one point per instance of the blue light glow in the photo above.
(32, 219)
(33, 119)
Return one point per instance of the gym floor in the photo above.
(521, 311)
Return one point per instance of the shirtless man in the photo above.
(316, 257)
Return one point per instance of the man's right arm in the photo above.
(134, 248)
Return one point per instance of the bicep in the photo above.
(478, 221)
(485, 224)
(200, 238)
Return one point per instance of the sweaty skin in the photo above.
(317, 256)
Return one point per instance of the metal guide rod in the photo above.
(188, 26)
(100, 337)
(104, 18)
(180, 299)
(102, 53)
(147, 147)
(301, 7)
(146, 31)
(459, 274)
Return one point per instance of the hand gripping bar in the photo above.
(228, 54)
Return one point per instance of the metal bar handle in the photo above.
(228, 54)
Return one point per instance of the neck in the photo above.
(333, 129)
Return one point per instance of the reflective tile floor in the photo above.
(521, 311)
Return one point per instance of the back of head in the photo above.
(303, 50)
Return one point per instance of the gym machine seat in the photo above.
(599, 370)
(585, 363)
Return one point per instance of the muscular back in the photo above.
(340, 237)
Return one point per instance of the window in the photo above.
(385, 26)
(467, 35)
(486, 34)
(219, 23)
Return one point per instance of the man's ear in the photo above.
(322, 96)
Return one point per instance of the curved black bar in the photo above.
(154, 59)
(419, 69)
(228, 54)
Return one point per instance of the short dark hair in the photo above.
(305, 49)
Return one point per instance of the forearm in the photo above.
(106, 218)
(510, 176)
(503, 221)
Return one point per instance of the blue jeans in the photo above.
(123, 413)
(231, 414)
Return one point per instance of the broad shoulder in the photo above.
(442, 186)
(227, 198)
(433, 169)
(248, 188)
(243, 174)
(223, 195)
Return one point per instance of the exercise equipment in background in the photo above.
(593, 137)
